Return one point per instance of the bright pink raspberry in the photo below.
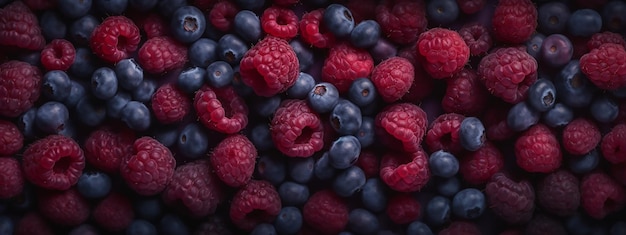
(402, 126)
(20, 86)
(443, 133)
(11, 138)
(471, 6)
(11, 178)
(605, 66)
(296, 129)
(580, 136)
(442, 52)
(513, 202)
(222, 15)
(465, 94)
(195, 189)
(233, 160)
(53, 162)
(403, 208)
(477, 38)
(479, 166)
(33, 223)
(514, 21)
(149, 168)
(613, 144)
(116, 38)
(508, 73)
(495, 121)
(542, 224)
(170, 104)
(67, 208)
(461, 228)
(114, 213)
(161, 55)
(598, 39)
(369, 162)
(270, 67)
(221, 109)
(538, 150)
(256, 202)
(314, 32)
(280, 22)
(402, 21)
(601, 195)
(344, 64)
(107, 146)
(393, 78)
(59, 54)
(326, 212)
(559, 194)
(405, 172)
(19, 27)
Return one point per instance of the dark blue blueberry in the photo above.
(261, 137)
(129, 73)
(111, 7)
(442, 12)
(266, 106)
(585, 163)
(248, 26)
(384, 49)
(56, 85)
(187, 24)
(81, 29)
(542, 95)
(533, 45)
(552, 17)
(443, 164)
(7, 225)
(92, 111)
(521, 116)
(73, 9)
(192, 141)
(604, 109)
(166, 135)
(84, 64)
(69, 129)
(557, 50)
(115, 105)
(143, 5)
(250, 4)
(94, 184)
(614, 17)
(584, 22)
(26, 123)
(31, 57)
(51, 117)
(241, 88)
(349, 181)
(301, 169)
(338, 20)
(619, 93)
(468, 203)
(263, 229)
(323, 169)
(77, 92)
(346, 117)
(136, 116)
(438, 210)
(271, 168)
(472, 133)
(104, 83)
(288, 221)
(219, 74)
(618, 228)
(579, 224)
(573, 88)
(171, 224)
(148, 208)
(344, 152)
(374, 195)
(304, 83)
(304, 54)
(361, 221)
(323, 97)
(366, 133)
(418, 228)
(293, 194)
(191, 79)
(52, 25)
(168, 7)
(141, 227)
(362, 92)
(558, 116)
(145, 90)
(448, 186)
(365, 34)
(231, 49)
(202, 52)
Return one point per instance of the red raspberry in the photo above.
(114, 213)
(495, 121)
(33, 223)
(461, 228)
(508, 73)
(393, 78)
(222, 15)
(296, 129)
(195, 188)
(326, 212)
(345, 64)
(58, 55)
(107, 146)
(479, 166)
(580, 136)
(233, 160)
(256, 202)
(280, 22)
(405, 172)
(403, 208)
(221, 109)
(154, 25)
(402, 126)
(19, 27)
(514, 21)
(613, 144)
(67, 208)
(542, 225)
(170, 104)
(423, 84)
(605, 66)
(402, 21)
(362, 9)
(149, 168)
(601, 195)
(465, 94)
(313, 31)
(115, 39)
(54, 162)
(369, 162)
(477, 38)
(11, 139)
(559, 193)
(598, 39)
(513, 202)
(538, 150)
(161, 55)
(442, 52)
(38, 5)
(11, 178)
(214, 225)
(471, 6)
(443, 133)
(20, 85)
(270, 67)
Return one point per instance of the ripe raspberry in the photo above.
(513, 202)
(313, 31)
(405, 172)
(542, 225)
(33, 223)
(20, 85)
(170, 104)
(402, 126)
(53, 162)
(514, 21)
(11, 178)
(233, 160)
(598, 39)
(115, 39)
(326, 212)
(605, 66)
(559, 193)
(270, 67)
(508, 73)
(114, 213)
(442, 52)
(465, 94)
(67, 208)
(613, 144)
(280, 22)
(59, 54)
(19, 27)
(369, 162)
(477, 38)
(479, 166)
(222, 15)
(161, 55)
(296, 129)
(423, 84)
(345, 64)
(221, 109)
(495, 121)
(443, 133)
(11, 139)
(214, 225)
(580, 136)
(601, 195)
(538, 150)
(107, 146)
(461, 228)
(393, 78)
(402, 21)
(471, 6)
(256, 202)
(195, 189)
(149, 168)
(403, 208)
(153, 25)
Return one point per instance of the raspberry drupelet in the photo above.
(405, 172)
(11, 139)
(402, 126)
(601, 195)
(344, 64)
(465, 94)
(313, 31)
(19, 27)
(402, 21)
(538, 150)
(106, 146)
(162, 54)
(443, 133)
(508, 73)
(580, 136)
(11, 178)
(442, 52)
(170, 104)
(326, 212)
(393, 78)
(280, 22)
(116, 38)
(512, 201)
(67, 208)
(256, 202)
(605, 66)
(20, 87)
(233, 160)
(221, 109)
(514, 21)
(479, 166)
(53, 162)
(59, 54)
(296, 129)
(149, 168)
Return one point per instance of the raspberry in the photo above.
(296, 129)
(270, 67)
(345, 64)
(107, 146)
(508, 73)
(58, 55)
(541, 225)
(149, 168)
(170, 104)
(605, 66)
(618, 172)
(20, 85)
(11, 178)
(495, 120)
(465, 94)
(601, 195)
(233, 160)
(280, 22)
(401, 126)
(326, 212)
(222, 15)
(461, 228)
(38, 5)
(514, 21)
(195, 188)
(221, 109)
(362, 9)
(402, 21)
(33, 223)
(54, 162)
(598, 39)
(613, 145)
(313, 31)
(479, 166)
(161, 55)
(204, 5)
(580, 136)
(114, 213)
(423, 84)
(559, 193)
(442, 52)
(403, 208)
(513, 202)
(471, 6)
(405, 172)
(393, 78)
(67, 208)
(443, 133)
(538, 150)
(214, 225)
(477, 38)
(11, 139)
(369, 162)
(115, 39)
(19, 27)
(256, 202)
(154, 25)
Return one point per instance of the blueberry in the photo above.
(346, 117)
(202, 52)
(365, 34)
(557, 50)
(585, 163)
(81, 29)
(521, 116)
(27, 123)
(168, 7)
(374, 195)
(618, 227)
(362, 92)
(443, 164)
(76, 93)
(384, 49)
(323, 97)
(171, 224)
(51, 117)
(604, 109)
(271, 168)
(288, 221)
(7, 225)
(468, 203)
(442, 12)
(56, 85)
(362, 221)
(166, 135)
(73, 9)
(241, 88)
(94, 184)
(231, 49)
(533, 45)
(293, 194)
(448, 186)
(323, 170)
(136, 116)
(438, 210)
(191, 79)
(619, 93)
(115, 105)
(572, 86)
(558, 116)
(542, 95)
(33, 58)
(250, 4)
(141, 227)
(552, 17)
(344, 152)
(129, 74)
(219, 74)
(52, 25)
(187, 24)
(263, 229)
(349, 181)
(143, 5)
(92, 111)
(366, 133)
(145, 90)
(584, 22)
(261, 137)
(192, 141)
(301, 169)
(104, 83)
(248, 26)
(112, 7)
(338, 20)
(472, 133)
(614, 16)
(304, 54)
(304, 83)
(148, 208)
(84, 64)
(418, 228)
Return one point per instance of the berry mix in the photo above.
(145, 117)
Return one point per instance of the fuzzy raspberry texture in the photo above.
(613, 144)
(32, 223)
(59, 54)
(601, 195)
(221, 109)
(598, 39)
(296, 129)
(513, 202)
(369, 162)
(280, 22)
(326, 212)
(402, 21)
(11, 178)
(11, 138)
(344, 64)
(401, 126)
(67, 208)
(107, 146)
(19, 27)
(195, 189)
(542, 224)
(507, 73)
(465, 94)
(114, 213)
(170, 104)
(514, 21)
(222, 15)
(442, 52)
(405, 172)
(495, 121)
(149, 168)
(605, 66)
(538, 150)
(559, 194)
(154, 25)
(580, 136)
(269, 67)
(53, 162)
(403, 208)
(20, 85)
(161, 55)
(313, 31)
(443, 133)
(461, 227)
(233, 160)
(479, 166)
(256, 202)
(477, 38)
(471, 6)
(115, 39)
(393, 78)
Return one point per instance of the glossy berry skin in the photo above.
(202, 52)
(469, 203)
(94, 185)
(448, 186)
(293, 194)
(261, 137)
(344, 152)
(136, 115)
(248, 26)
(438, 210)
(559, 115)
(187, 24)
(51, 117)
(231, 48)
(442, 12)
(271, 169)
(52, 25)
(323, 170)
(556, 50)
(104, 83)
(338, 20)
(472, 134)
(374, 195)
(533, 45)
(522, 116)
(323, 97)
(367, 133)
(301, 170)
(191, 79)
(552, 17)
(443, 164)
(111, 7)
(542, 95)
(129, 74)
(141, 227)
(144, 91)
(192, 141)
(73, 9)
(289, 220)
(365, 34)
(346, 117)
(362, 221)
(304, 83)
(349, 181)
(56, 85)
(418, 228)
(585, 163)
(604, 109)
(362, 92)
(584, 22)
(219, 74)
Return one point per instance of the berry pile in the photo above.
(176, 117)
